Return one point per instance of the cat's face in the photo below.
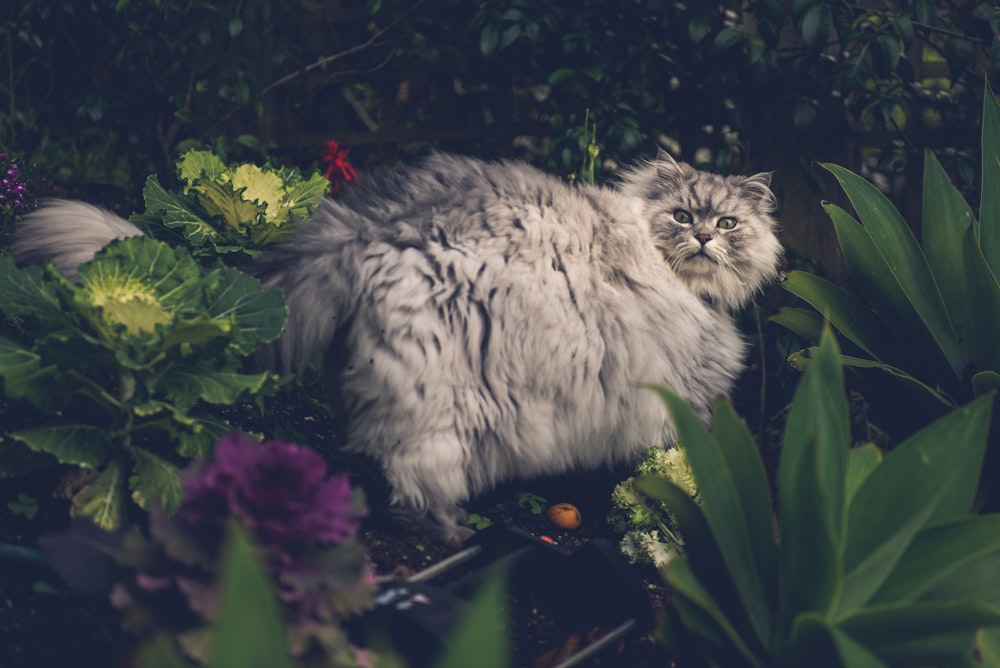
(716, 232)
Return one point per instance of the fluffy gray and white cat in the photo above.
(482, 322)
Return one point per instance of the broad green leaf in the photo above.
(177, 212)
(25, 377)
(881, 290)
(25, 294)
(305, 195)
(154, 480)
(83, 445)
(195, 165)
(263, 188)
(717, 472)
(479, 638)
(196, 331)
(103, 499)
(989, 205)
(185, 385)
(259, 315)
(851, 317)
(811, 476)
(942, 553)
(898, 247)
(249, 630)
(861, 461)
(221, 199)
(199, 435)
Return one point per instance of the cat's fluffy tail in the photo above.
(69, 233)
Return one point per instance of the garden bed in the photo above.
(43, 624)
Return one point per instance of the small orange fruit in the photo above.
(564, 515)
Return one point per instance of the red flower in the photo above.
(337, 167)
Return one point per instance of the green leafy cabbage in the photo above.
(233, 211)
(122, 361)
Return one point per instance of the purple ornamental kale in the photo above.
(303, 523)
(279, 491)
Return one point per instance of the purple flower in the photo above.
(280, 491)
(13, 193)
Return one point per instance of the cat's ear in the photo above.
(667, 168)
(759, 187)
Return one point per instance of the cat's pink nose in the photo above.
(703, 238)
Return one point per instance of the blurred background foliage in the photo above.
(95, 96)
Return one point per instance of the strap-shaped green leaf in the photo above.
(941, 462)
(857, 363)
(732, 517)
(249, 630)
(985, 297)
(476, 640)
(866, 573)
(896, 244)
(811, 487)
(701, 614)
(740, 453)
(852, 318)
(882, 291)
(861, 461)
(943, 557)
(989, 203)
(805, 323)
(895, 625)
(968, 285)
(815, 643)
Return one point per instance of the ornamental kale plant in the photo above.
(229, 211)
(866, 560)
(650, 529)
(124, 363)
(302, 524)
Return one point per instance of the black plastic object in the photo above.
(592, 587)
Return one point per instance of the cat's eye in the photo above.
(726, 223)
(683, 217)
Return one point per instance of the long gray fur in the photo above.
(482, 322)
